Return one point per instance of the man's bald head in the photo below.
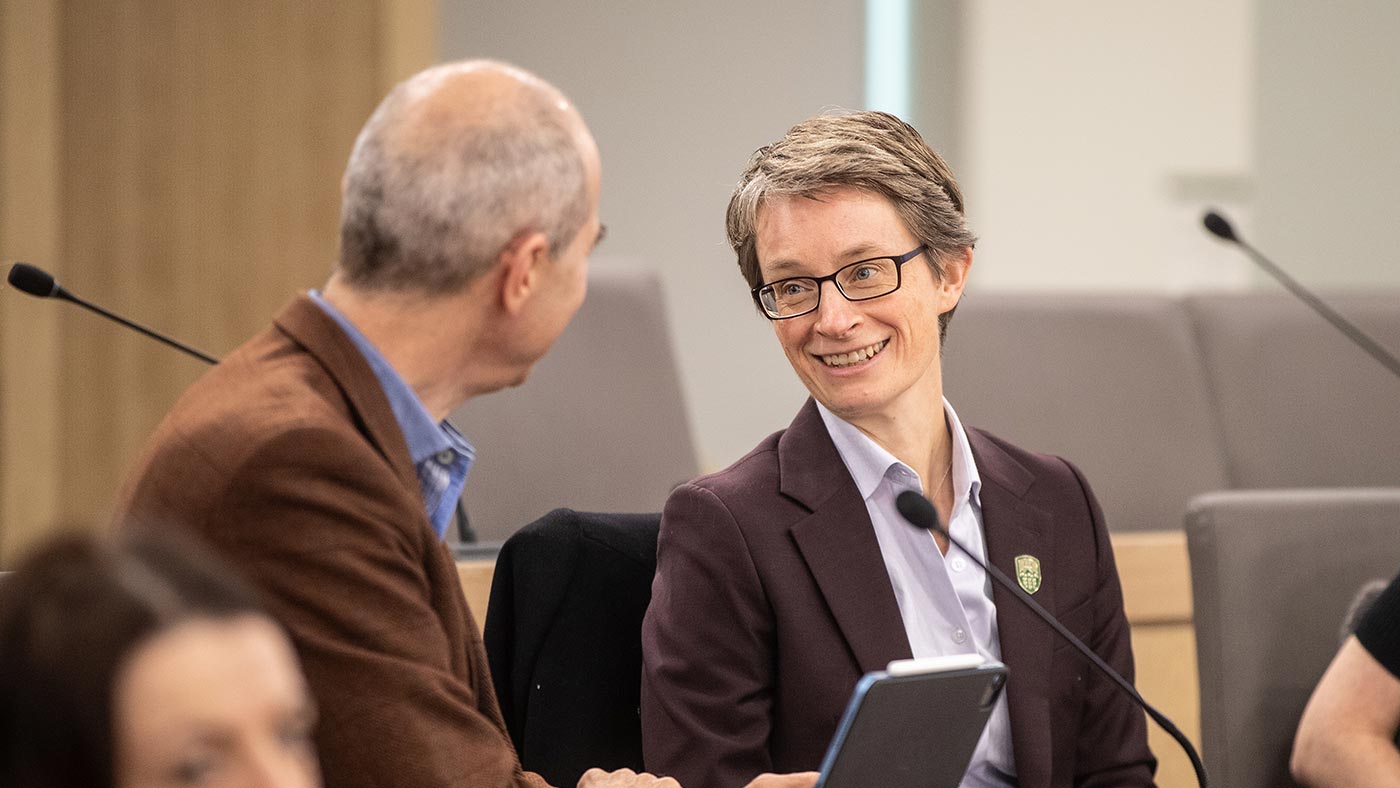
(455, 163)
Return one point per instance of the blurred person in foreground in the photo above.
(785, 577)
(316, 457)
(1347, 735)
(140, 663)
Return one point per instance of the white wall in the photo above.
(1094, 130)
(1088, 135)
(679, 95)
(1328, 197)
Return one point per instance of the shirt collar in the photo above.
(966, 481)
(869, 462)
(425, 437)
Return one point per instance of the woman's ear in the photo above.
(955, 272)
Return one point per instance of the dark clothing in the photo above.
(1379, 630)
(563, 637)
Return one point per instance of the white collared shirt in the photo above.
(945, 601)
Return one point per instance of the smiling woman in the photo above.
(142, 663)
(783, 578)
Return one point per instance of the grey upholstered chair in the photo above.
(600, 425)
(1299, 405)
(1112, 382)
(1272, 575)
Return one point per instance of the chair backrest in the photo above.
(1300, 406)
(1111, 382)
(599, 425)
(563, 637)
(1272, 575)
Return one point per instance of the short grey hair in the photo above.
(434, 217)
(874, 151)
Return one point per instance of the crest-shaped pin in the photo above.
(1028, 573)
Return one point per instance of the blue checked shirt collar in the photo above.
(441, 455)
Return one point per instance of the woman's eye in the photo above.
(194, 771)
(297, 734)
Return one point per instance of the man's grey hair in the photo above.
(434, 214)
(874, 151)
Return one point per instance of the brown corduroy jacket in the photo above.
(287, 459)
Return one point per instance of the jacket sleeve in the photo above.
(325, 529)
(1112, 741)
(707, 650)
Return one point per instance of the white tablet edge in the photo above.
(911, 667)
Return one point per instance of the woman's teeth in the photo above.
(855, 356)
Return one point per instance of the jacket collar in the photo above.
(837, 541)
(309, 326)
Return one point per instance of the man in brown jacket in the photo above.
(315, 457)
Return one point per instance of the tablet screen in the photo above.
(908, 727)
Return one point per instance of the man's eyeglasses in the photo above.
(859, 281)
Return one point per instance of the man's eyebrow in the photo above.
(602, 233)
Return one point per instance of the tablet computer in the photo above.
(914, 724)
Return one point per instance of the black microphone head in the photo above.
(918, 510)
(32, 280)
(1219, 226)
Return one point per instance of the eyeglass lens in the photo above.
(857, 282)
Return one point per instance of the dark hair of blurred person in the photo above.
(143, 662)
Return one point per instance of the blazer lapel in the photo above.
(837, 542)
(1014, 528)
(308, 325)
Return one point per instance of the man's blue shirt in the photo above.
(441, 455)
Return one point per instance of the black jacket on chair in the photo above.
(563, 639)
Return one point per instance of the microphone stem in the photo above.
(1331, 315)
(1103, 667)
(67, 296)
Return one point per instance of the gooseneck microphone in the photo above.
(920, 513)
(1221, 228)
(40, 284)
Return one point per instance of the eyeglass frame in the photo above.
(898, 260)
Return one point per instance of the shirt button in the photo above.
(445, 457)
(959, 564)
(959, 636)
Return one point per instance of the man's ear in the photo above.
(521, 264)
(955, 271)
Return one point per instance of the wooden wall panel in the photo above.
(200, 173)
(199, 148)
(29, 329)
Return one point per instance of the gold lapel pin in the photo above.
(1028, 573)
